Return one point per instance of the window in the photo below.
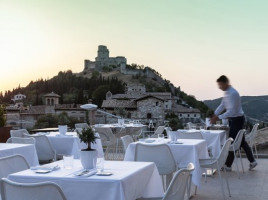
(194, 115)
(156, 103)
(149, 115)
(188, 115)
(129, 115)
(180, 115)
(166, 106)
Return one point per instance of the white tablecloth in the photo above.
(28, 151)
(215, 139)
(70, 144)
(130, 180)
(189, 151)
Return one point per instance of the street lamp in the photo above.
(95, 107)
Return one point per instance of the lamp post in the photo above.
(95, 107)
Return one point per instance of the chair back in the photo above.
(159, 154)
(30, 191)
(159, 130)
(238, 139)
(106, 135)
(12, 164)
(190, 135)
(44, 149)
(19, 133)
(81, 125)
(224, 152)
(126, 140)
(253, 134)
(177, 188)
(18, 140)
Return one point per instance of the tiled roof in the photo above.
(182, 109)
(35, 110)
(52, 94)
(115, 103)
(148, 96)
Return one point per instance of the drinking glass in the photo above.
(68, 161)
(202, 128)
(100, 164)
(161, 137)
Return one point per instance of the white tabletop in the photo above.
(28, 151)
(189, 151)
(215, 139)
(130, 180)
(70, 144)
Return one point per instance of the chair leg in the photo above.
(227, 182)
(237, 169)
(256, 151)
(222, 188)
(195, 190)
(241, 161)
(189, 187)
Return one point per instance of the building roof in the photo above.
(183, 109)
(35, 110)
(115, 103)
(69, 107)
(52, 94)
(148, 96)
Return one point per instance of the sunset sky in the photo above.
(190, 42)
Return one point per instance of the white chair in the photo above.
(218, 164)
(44, 149)
(176, 189)
(235, 147)
(159, 130)
(126, 140)
(251, 139)
(18, 140)
(12, 164)
(31, 191)
(19, 133)
(81, 125)
(108, 141)
(161, 155)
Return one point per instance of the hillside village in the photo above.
(136, 101)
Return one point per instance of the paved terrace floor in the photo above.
(253, 185)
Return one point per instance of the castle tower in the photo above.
(103, 56)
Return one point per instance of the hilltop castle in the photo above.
(104, 60)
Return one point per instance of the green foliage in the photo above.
(51, 121)
(121, 112)
(63, 119)
(46, 121)
(2, 116)
(69, 86)
(87, 136)
(107, 69)
(174, 122)
(99, 94)
(209, 113)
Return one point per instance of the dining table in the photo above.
(70, 144)
(184, 151)
(215, 139)
(28, 151)
(127, 181)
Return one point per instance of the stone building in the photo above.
(147, 106)
(103, 59)
(51, 99)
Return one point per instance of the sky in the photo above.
(190, 42)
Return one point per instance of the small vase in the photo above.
(89, 159)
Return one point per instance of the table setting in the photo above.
(185, 151)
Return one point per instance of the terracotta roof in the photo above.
(68, 107)
(115, 103)
(52, 94)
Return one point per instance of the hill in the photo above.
(255, 107)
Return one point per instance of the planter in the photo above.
(4, 134)
(62, 129)
(89, 159)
